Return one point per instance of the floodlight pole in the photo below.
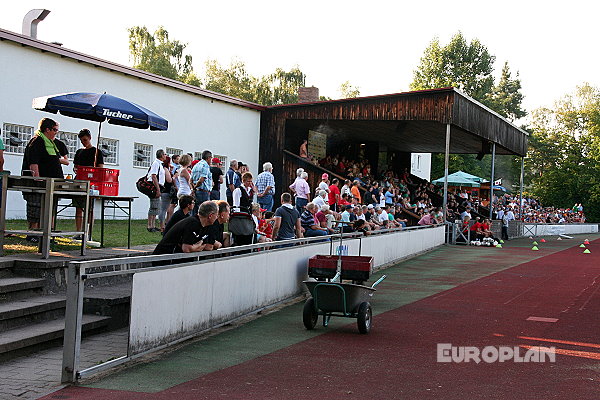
(492, 181)
(446, 163)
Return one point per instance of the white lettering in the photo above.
(472, 353)
(506, 353)
(489, 354)
(116, 114)
(443, 352)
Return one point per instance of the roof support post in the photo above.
(522, 178)
(492, 181)
(446, 162)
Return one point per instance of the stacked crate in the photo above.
(106, 180)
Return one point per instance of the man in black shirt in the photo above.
(41, 159)
(217, 177)
(287, 220)
(89, 156)
(186, 205)
(193, 234)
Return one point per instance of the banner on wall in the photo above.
(317, 144)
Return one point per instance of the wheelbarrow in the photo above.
(336, 299)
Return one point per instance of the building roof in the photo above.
(46, 47)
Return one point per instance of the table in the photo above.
(49, 189)
(112, 203)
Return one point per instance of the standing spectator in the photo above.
(165, 194)
(217, 178)
(184, 177)
(356, 192)
(299, 172)
(508, 216)
(334, 195)
(346, 188)
(309, 223)
(303, 152)
(265, 186)
(186, 205)
(88, 156)
(202, 179)
(373, 196)
(300, 186)
(242, 196)
(156, 175)
(466, 213)
(41, 159)
(232, 181)
(324, 184)
(287, 220)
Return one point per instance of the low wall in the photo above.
(170, 304)
(558, 229)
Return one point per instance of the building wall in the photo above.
(196, 123)
(420, 165)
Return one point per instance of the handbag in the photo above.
(145, 186)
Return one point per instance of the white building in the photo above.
(198, 119)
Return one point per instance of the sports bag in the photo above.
(145, 186)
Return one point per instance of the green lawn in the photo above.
(115, 235)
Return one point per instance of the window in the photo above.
(198, 155)
(223, 159)
(16, 137)
(70, 140)
(142, 155)
(110, 150)
(171, 151)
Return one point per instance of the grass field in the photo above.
(115, 235)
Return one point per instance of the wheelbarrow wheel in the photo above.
(364, 317)
(309, 314)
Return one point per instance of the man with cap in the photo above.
(217, 178)
(324, 184)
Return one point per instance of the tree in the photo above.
(469, 67)
(279, 87)
(563, 160)
(347, 91)
(157, 54)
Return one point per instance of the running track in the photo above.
(553, 300)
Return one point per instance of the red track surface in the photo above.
(397, 360)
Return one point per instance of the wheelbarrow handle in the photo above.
(378, 281)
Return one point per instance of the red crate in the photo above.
(106, 188)
(97, 174)
(355, 268)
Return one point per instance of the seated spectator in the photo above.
(428, 219)
(192, 234)
(325, 218)
(321, 199)
(309, 224)
(477, 230)
(382, 218)
(222, 237)
(266, 224)
(261, 237)
(287, 220)
(186, 205)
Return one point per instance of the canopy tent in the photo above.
(458, 179)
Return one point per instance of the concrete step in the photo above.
(19, 341)
(5, 268)
(16, 313)
(17, 287)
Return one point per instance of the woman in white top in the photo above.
(184, 177)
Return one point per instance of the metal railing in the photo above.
(81, 271)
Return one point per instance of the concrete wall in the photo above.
(195, 123)
(170, 304)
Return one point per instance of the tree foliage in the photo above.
(157, 54)
(563, 161)
(348, 91)
(469, 67)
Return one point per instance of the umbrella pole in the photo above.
(97, 143)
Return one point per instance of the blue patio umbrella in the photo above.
(101, 107)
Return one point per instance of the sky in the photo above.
(374, 45)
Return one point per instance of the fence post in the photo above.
(73, 321)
